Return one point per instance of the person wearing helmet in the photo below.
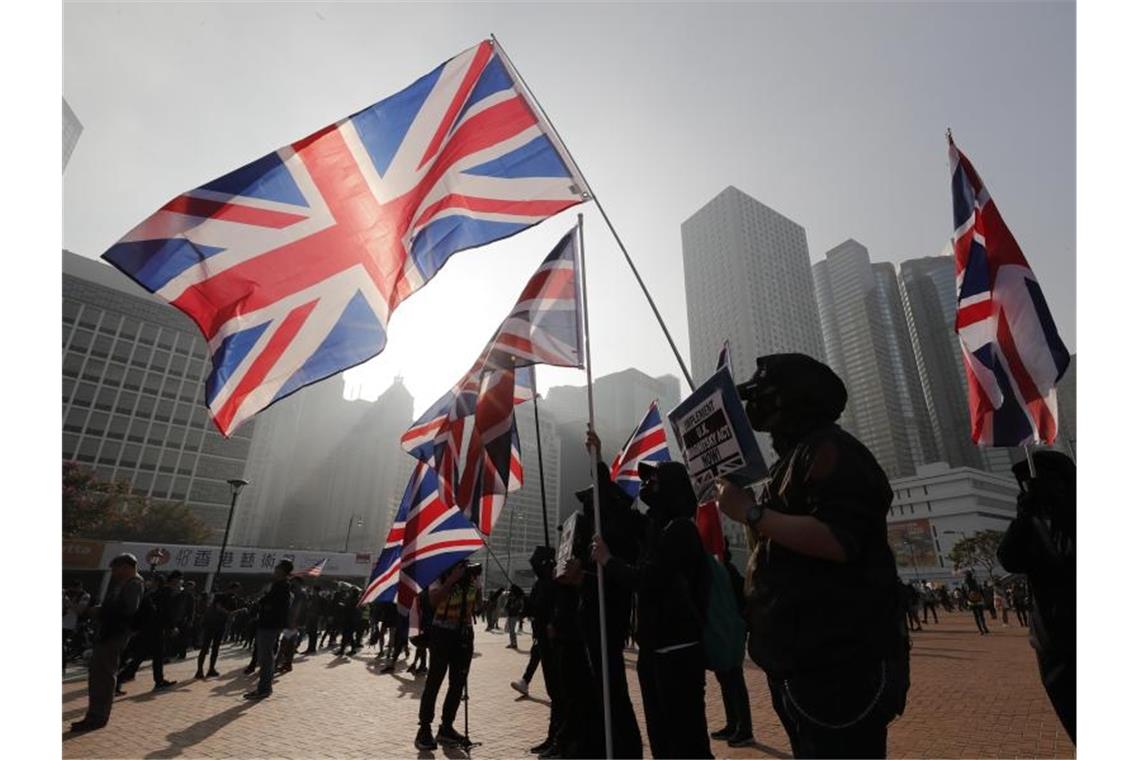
(825, 619)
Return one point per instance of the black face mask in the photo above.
(762, 411)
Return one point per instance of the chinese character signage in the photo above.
(204, 559)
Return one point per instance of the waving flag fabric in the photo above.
(1013, 353)
(292, 265)
(426, 538)
(725, 358)
(647, 443)
(314, 571)
(542, 328)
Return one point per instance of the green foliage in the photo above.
(93, 508)
(977, 551)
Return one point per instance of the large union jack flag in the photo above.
(1013, 353)
(543, 327)
(291, 265)
(426, 538)
(646, 443)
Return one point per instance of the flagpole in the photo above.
(528, 94)
(597, 503)
(541, 472)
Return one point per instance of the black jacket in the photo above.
(670, 576)
(273, 607)
(118, 608)
(807, 613)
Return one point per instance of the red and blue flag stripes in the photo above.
(426, 538)
(647, 443)
(1012, 351)
(292, 264)
(543, 327)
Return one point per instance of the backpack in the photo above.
(724, 629)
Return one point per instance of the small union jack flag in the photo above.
(647, 443)
(725, 358)
(543, 327)
(292, 265)
(426, 538)
(1013, 353)
(312, 572)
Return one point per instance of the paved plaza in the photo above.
(970, 696)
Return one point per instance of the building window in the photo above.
(105, 399)
(81, 340)
(94, 370)
(84, 395)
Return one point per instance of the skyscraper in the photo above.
(324, 470)
(748, 280)
(869, 353)
(72, 129)
(133, 370)
(928, 290)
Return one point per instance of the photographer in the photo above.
(451, 642)
(825, 619)
(1042, 543)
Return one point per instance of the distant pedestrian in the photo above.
(76, 602)
(999, 605)
(214, 621)
(929, 601)
(272, 618)
(114, 616)
(514, 608)
(977, 603)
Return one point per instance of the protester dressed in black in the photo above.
(214, 621)
(826, 621)
(1042, 543)
(671, 581)
(272, 618)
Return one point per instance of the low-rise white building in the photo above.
(937, 507)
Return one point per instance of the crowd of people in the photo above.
(821, 609)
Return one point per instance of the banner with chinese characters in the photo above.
(236, 560)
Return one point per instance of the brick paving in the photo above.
(970, 696)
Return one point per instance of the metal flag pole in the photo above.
(597, 501)
(528, 94)
(541, 472)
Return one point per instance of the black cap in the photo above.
(646, 468)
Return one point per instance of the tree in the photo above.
(978, 550)
(94, 508)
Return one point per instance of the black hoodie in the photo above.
(670, 576)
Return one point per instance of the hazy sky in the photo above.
(833, 115)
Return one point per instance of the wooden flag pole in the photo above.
(597, 501)
(528, 94)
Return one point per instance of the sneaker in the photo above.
(723, 733)
(449, 737)
(521, 686)
(84, 725)
(211, 673)
(538, 749)
(256, 694)
(424, 740)
(119, 692)
(551, 753)
(164, 685)
(741, 740)
(199, 675)
(249, 669)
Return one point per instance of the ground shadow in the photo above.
(151, 694)
(409, 687)
(203, 729)
(528, 698)
(938, 656)
(770, 750)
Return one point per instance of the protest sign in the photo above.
(715, 437)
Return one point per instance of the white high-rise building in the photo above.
(72, 129)
(866, 342)
(747, 280)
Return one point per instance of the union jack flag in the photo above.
(1013, 353)
(543, 327)
(314, 571)
(426, 538)
(646, 443)
(724, 359)
(292, 265)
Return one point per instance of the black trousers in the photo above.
(929, 607)
(534, 661)
(734, 693)
(980, 619)
(575, 689)
(866, 739)
(149, 645)
(1059, 677)
(673, 692)
(627, 735)
(548, 654)
(312, 631)
(451, 653)
(212, 641)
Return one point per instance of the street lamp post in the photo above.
(235, 488)
(359, 523)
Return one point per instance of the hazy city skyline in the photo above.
(831, 115)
